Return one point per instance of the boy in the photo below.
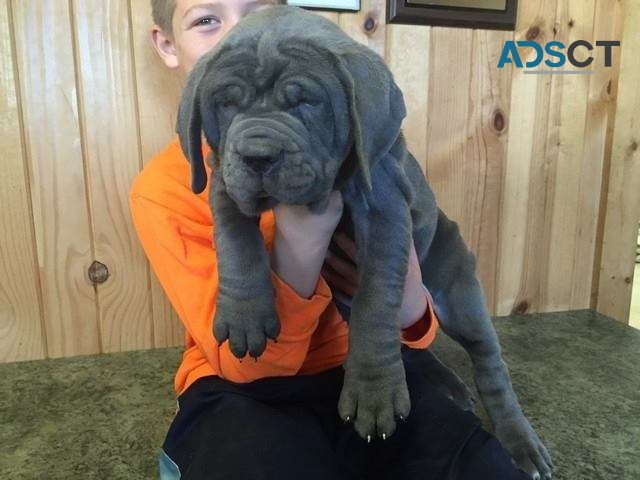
(276, 417)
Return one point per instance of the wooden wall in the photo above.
(539, 170)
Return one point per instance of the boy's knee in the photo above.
(483, 456)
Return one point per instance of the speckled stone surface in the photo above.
(577, 375)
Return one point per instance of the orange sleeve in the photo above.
(422, 333)
(185, 264)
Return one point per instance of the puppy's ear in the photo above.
(189, 126)
(376, 105)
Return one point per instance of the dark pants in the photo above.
(282, 428)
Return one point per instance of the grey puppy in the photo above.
(293, 109)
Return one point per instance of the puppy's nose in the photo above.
(258, 163)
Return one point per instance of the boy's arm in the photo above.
(300, 247)
(182, 255)
(422, 333)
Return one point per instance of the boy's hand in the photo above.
(342, 275)
(301, 241)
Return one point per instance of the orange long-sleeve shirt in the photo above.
(175, 228)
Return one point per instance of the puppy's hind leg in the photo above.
(441, 377)
(449, 274)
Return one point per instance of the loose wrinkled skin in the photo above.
(293, 109)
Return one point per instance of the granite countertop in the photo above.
(577, 375)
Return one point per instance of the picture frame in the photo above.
(454, 13)
(332, 5)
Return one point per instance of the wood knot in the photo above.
(521, 308)
(571, 23)
(627, 279)
(370, 25)
(609, 88)
(533, 32)
(98, 273)
(499, 122)
(634, 146)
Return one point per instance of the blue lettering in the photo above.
(553, 53)
(539, 53)
(510, 47)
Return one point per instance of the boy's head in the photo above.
(184, 30)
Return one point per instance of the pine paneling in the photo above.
(46, 70)
(21, 334)
(523, 249)
(410, 68)
(108, 99)
(622, 207)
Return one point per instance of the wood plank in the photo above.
(522, 213)
(368, 25)
(447, 128)
(490, 90)
(466, 152)
(112, 150)
(597, 137)
(405, 54)
(53, 145)
(158, 95)
(565, 157)
(622, 208)
(21, 332)
(612, 93)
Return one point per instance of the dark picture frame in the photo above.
(410, 13)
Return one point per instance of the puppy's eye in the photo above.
(295, 96)
(232, 96)
(292, 93)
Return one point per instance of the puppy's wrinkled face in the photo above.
(282, 121)
(292, 108)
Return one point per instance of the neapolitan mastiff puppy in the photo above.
(293, 109)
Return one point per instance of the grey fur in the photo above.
(339, 128)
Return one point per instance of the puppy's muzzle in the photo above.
(260, 154)
(261, 141)
(258, 164)
(266, 156)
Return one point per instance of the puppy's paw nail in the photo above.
(402, 418)
(384, 436)
(368, 438)
(346, 419)
(536, 476)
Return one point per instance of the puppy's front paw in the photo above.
(372, 398)
(246, 323)
(522, 442)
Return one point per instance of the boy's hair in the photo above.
(162, 12)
